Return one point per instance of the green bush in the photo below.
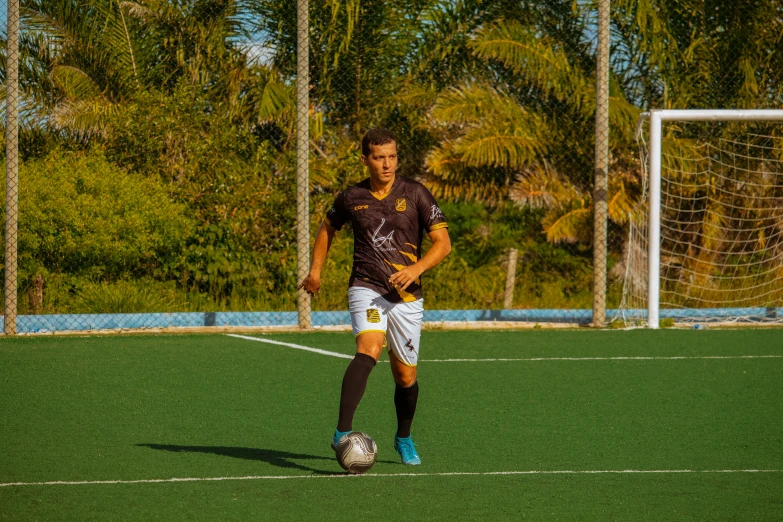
(238, 187)
(80, 215)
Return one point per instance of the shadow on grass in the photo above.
(281, 459)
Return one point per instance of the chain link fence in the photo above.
(10, 256)
(179, 157)
(494, 107)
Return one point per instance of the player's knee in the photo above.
(407, 377)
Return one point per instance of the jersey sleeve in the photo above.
(430, 215)
(338, 215)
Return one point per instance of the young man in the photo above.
(388, 215)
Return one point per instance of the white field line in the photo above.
(391, 475)
(295, 346)
(529, 359)
(678, 358)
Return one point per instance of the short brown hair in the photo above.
(376, 136)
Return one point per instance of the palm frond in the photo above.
(137, 10)
(445, 162)
(620, 205)
(546, 65)
(38, 21)
(474, 103)
(84, 117)
(465, 191)
(535, 58)
(651, 24)
(88, 35)
(417, 96)
(541, 186)
(275, 98)
(574, 226)
(74, 83)
(451, 178)
(84, 108)
(491, 130)
(485, 146)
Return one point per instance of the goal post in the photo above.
(654, 194)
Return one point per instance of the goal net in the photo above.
(705, 243)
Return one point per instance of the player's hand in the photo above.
(402, 279)
(311, 284)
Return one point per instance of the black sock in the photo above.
(354, 383)
(405, 403)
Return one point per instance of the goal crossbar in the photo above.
(654, 219)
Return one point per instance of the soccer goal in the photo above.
(705, 242)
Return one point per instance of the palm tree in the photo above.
(688, 54)
(84, 60)
(515, 136)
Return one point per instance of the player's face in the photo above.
(382, 162)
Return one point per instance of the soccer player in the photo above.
(388, 215)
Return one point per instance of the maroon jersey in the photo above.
(387, 232)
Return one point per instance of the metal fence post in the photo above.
(12, 169)
(601, 183)
(511, 278)
(302, 156)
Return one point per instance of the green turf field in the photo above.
(499, 438)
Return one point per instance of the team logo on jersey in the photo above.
(435, 212)
(373, 315)
(380, 241)
(401, 205)
(409, 345)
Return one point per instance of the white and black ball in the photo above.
(356, 452)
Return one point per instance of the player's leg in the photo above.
(404, 335)
(368, 349)
(406, 395)
(369, 323)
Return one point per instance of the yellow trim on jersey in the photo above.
(438, 226)
(414, 247)
(380, 198)
(391, 352)
(410, 256)
(406, 296)
(400, 267)
(365, 331)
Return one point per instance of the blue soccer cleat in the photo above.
(336, 438)
(407, 451)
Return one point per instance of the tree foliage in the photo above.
(85, 216)
(493, 102)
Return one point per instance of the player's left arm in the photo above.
(441, 246)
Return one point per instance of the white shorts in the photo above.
(401, 322)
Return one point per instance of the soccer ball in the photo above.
(356, 452)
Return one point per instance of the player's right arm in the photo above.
(323, 241)
(335, 219)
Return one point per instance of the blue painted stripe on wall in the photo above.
(87, 322)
